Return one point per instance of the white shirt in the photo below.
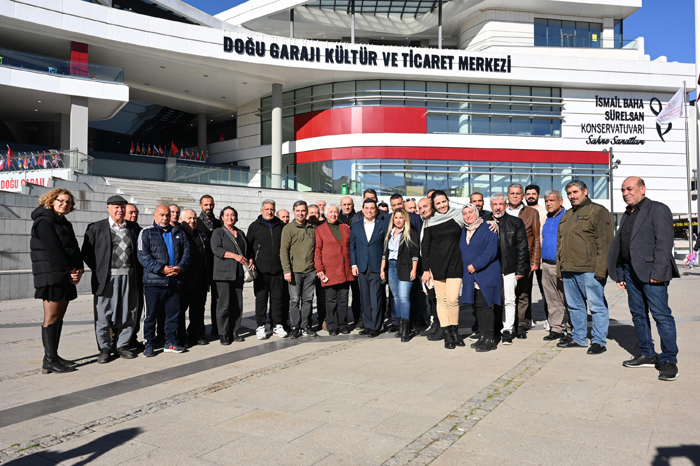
(114, 226)
(369, 227)
(514, 212)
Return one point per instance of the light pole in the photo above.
(612, 165)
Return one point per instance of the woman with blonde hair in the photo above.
(57, 267)
(400, 265)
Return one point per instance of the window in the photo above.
(557, 33)
(617, 31)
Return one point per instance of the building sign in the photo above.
(351, 54)
(13, 181)
(624, 122)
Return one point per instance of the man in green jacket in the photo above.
(583, 239)
(297, 249)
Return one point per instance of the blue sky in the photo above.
(667, 26)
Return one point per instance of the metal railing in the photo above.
(211, 175)
(555, 42)
(46, 160)
(50, 65)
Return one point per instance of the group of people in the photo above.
(429, 255)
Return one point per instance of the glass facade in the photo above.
(414, 178)
(451, 107)
(559, 33)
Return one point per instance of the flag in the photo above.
(206, 155)
(197, 154)
(149, 150)
(33, 162)
(143, 149)
(160, 150)
(131, 151)
(2, 163)
(173, 148)
(138, 149)
(9, 152)
(221, 138)
(673, 109)
(26, 163)
(41, 162)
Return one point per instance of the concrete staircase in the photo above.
(91, 193)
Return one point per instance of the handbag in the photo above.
(248, 274)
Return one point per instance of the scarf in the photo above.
(269, 224)
(206, 221)
(452, 214)
(472, 227)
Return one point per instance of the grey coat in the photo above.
(651, 246)
(227, 269)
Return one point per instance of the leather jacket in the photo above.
(513, 251)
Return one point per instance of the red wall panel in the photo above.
(358, 120)
(449, 153)
(78, 59)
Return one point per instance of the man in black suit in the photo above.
(641, 261)
(366, 248)
(195, 283)
(110, 251)
(207, 223)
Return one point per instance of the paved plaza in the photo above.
(349, 400)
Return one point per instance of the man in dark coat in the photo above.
(641, 261)
(195, 283)
(109, 250)
(207, 223)
(347, 213)
(264, 236)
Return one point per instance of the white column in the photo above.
(608, 33)
(74, 129)
(202, 131)
(276, 165)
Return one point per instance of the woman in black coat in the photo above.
(57, 267)
(230, 249)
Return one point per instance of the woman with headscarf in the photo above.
(442, 261)
(482, 274)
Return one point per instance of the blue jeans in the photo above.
(401, 291)
(654, 298)
(581, 288)
(162, 301)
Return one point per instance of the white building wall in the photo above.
(248, 123)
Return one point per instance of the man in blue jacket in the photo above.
(641, 261)
(164, 252)
(366, 248)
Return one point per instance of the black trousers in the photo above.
(337, 306)
(269, 288)
(523, 289)
(484, 314)
(320, 302)
(162, 301)
(371, 295)
(214, 305)
(138, 317)
(432, 304)
(538, 274)
(195, 300)
(229, 310)
(356, 301)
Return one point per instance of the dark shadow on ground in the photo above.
(665, 454)
(85, 454)
(625, 336)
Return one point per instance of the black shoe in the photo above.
(103, 358)
(364, 331)
(566, 338)
(373, 333)
(124, 353)
(51, 363)
(431, 329)
(522, 333)
(392, 328)
(360, 324)
(237, 338)
(553, 336)
(454, 329)
(474, 336)
(569, 344)
(487, 345)
(309, 332)
(668, 372)
(332, 333)
(406, 333)
(202, 341)
(596, 348)
(295, 333)
(641, 361)
(399, 329)
(449, 338)
(224, 340)
(345, 330)
(506, 338)
(478, 342)
(65, 362)
(438, 335)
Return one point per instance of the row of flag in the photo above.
(29, 162)
(172, 151)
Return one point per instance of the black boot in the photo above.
(65, 362)
(478, 342)
(487, 345)
(454, 329)
(49, 337)
(406, 333)
(439, 333)
(399, 331)
(449, 338)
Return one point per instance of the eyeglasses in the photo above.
(64, 201)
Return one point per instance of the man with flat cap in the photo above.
(110, 251)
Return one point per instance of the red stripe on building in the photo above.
(359, 120)
(449, 153)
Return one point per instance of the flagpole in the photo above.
(687, 173)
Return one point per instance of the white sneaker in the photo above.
(260, 332)
(279, 331)
(546, 325)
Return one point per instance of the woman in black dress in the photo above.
(57, 267)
